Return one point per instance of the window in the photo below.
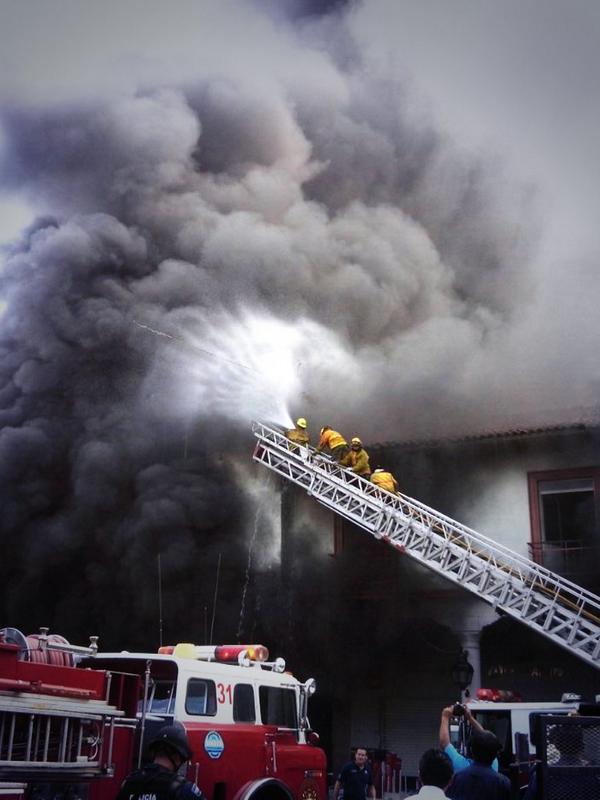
(201, 698)
(161, 698)
(566, 509)
(243, 703)
(278, 706)
(564, 513)
(338, 535)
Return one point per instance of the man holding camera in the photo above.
(479, 780)
(456, 711)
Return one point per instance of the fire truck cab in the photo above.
(74, 728)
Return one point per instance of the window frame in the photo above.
(236, 689)
(534, 479)
(211, 695)
(339, 538)
(169, 699)
(292, 693)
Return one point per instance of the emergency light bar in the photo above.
(224, 653)
(498, 695)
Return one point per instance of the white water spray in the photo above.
(243, 368)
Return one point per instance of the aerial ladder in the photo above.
(557, 608)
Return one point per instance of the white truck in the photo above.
(519, 728)
(513, 722)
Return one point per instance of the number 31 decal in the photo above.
(224, 693)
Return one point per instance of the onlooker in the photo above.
(355, 778)
(169, 751)
(357, 459)
(435, 773)
(458, 761)
(334, 442)
(480, 781)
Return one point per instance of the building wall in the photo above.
(482, 483)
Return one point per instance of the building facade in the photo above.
(390, 632)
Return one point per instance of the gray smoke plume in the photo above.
(240, 220)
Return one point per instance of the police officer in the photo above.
(160, 780)
(355, 779)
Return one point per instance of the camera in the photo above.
(458, 710)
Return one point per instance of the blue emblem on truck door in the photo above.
(214, 744)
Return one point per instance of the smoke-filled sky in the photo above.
(380, 215)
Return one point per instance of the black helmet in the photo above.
(174, 737)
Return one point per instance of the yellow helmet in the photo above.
(301, 422)
(325, 428)
(356, 440)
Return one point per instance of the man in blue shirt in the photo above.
(458, 761)
(480, 780)
(355, 778)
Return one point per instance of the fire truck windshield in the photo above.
(161, 698)
(278, 707)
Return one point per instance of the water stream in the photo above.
(248, 572)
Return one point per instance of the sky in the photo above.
(377, 215)
(519, 79)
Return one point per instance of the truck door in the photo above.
(300, 767)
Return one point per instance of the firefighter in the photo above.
(385, 480)
(161, 780)
(357, 459)
(299, 433)
(334, 442)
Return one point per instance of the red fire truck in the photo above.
(74, 722)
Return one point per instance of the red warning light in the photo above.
(231, 652)
(499, 695)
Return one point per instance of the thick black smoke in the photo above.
(271, 232)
